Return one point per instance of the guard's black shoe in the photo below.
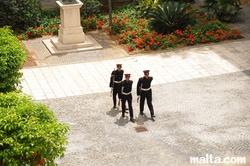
(132, 120)
(141, 113)
(123, 115)
(152, 116)
(114, 106)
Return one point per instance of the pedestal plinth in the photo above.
(71, 37)
(70, 30)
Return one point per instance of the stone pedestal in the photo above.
(71, 37)
(70, 30)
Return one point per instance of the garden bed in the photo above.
(133, 33)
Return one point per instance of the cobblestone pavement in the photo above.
(193, 118)
(200, 96)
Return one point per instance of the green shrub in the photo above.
(145, 6)
(125, 20)
(170, 16)
(136, 35)
(224, 10)
(50, 13)
(12, 57)
(20, 13)
(90, 7)
(89, 23)
(29, 132)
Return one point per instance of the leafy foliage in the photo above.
(49, 13)
(207, 30)
(145, 6)
(20, 13)
(90, 7)
(29, 132)
(134, 32)
(124, 19)
(224, 10)
(12, 57)
(170, 16)
(88, 23)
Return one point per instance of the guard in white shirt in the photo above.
(115, 83)
(127, 96)
(144, 91)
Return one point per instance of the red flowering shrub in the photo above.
(134, 32)
(208, 30)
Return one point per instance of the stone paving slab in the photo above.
(167, 66)
(208, 115)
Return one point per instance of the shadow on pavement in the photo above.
(113, 112)
(122, 121)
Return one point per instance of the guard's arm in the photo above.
(111, 82)
(138, 89)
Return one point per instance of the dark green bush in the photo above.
(29, 132)
(90, 7)
(20, 13)
(50, 13)
(170, 16)
(224, 10)
(88, 23)
(12, 57)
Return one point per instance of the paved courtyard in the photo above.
(193, 118)
(200, 94)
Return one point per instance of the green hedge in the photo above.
(12, 57)
(29, 132)
(20, 13)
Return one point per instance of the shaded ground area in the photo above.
(193, 118)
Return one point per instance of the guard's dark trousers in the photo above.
(146, 95)
(127, 98)
(116, 90)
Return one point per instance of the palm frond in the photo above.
(169, 16)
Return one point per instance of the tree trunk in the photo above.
(110, 12)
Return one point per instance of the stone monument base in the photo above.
(55, 46)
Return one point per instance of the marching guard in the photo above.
(144, 91)
(115, 83)
(127, 96)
